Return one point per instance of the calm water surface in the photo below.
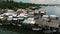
(53, 10)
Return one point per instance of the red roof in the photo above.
(20, 11)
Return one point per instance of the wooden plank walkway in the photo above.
(41, 22)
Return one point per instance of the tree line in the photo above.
(12, 4)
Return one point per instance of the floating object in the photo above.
(45, 17)
(10, 18)
(36, 29)
(14, 15)
(10, 11)
(14, 21)
(42, 11)
(7, 14)
(1, 17)
(53, 17)
(29, 21)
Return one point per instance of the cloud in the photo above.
(46, 1)
(22, 1)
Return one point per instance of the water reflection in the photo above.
(54, 10)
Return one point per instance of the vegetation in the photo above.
(12, 4)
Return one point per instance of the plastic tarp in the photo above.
(36, 29)
(10, 11)
(8, 14)
(10, 18)
(15, 19)
(20, 18)
(53, 16)
(30, 19)
(32, 22)
(1, 17)
(45, 16)
(29, 22)
(42, 11)
(14, 15)
(26, 14)
(23, 15)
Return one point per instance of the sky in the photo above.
(41, 1)
(23, 0)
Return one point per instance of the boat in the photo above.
(45, 23)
